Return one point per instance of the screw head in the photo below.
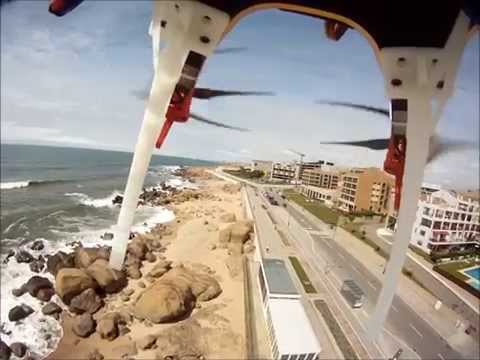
(163, 23)
(396, 82)
(204, 39)
(440, 84)
(206, 19)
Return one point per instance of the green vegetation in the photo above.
(356, 230)
(324, 213)
(454, 268)
(302, 275)
(337, 332)
(246, 173)
(421, 253)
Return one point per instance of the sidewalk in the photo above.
(443, 320)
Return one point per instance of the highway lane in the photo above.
(402, 319)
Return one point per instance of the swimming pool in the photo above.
(474, 273)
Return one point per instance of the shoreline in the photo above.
(191, 243)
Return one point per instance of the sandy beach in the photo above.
(214, 328)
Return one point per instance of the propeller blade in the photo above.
(230, 50)
(372, 144)
(214, 123)
(368, 108)
(206, 93)
(440, 146)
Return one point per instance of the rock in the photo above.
(118, 199)
(84, 257)
(5, 351)
(59, 261)
(124, 298)
(24, 256)
(124, 317)
(235, 248)
(248, 247)
(141, 284)
(224, 235)
(134, 272)
(107, 329)
(95, 355)
(35, 283)
(10, 254)
(72, 282)
(51, 308)
(110, 280)
(18, 349)
(123, 330)
(137, 249)
(127, 350)
(107, 236)
(163, 302)
(205, 287)
(37, 245)
(45, 294)
(227, 217)
(146, 342)
(37, 266)
(128, 292)
(88, 301)
(150, 257)
(19, 312)
(158, 271)
(212, 247)
(83, 325)
(240, 231)
(19, 292)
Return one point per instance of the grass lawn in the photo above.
(302, 275)
(315, 207)
(454, 267)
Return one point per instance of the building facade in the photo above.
(326, 196)
(326, 177)
(446, 222)
(312, 165)
(262, 165)
(365, 190)
(283, 172)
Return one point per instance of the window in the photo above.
(469, 218)
(462, 216)
(448, 215)
(284, 357)
(426, 211)
(445, 226)
(302, 357)
(422, 233)
(437, 224)
(439, 214)
(310, 356)
(426, 222)
(456, 215)
(454, 226)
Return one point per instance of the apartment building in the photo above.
(313, 165)
(365, 189)
(262, 165)
(326, 177)
(327, 196)
(283, 172)
(446, 221)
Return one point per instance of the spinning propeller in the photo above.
(438, 145)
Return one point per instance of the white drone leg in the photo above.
(420, 76)
(186, 26)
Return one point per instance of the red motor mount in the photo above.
(395, 163)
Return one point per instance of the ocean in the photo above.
(61, 195)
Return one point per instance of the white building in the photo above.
(327, 196)
(284, 172)
(446, 222)
(290, 332)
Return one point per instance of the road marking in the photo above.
(415, 329)
(394, 308)
(440, 356)
(371, 285)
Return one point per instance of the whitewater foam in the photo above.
(14, 185)
(89, 201)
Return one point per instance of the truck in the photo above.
(352, 293)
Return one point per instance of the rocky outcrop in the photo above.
(24, 256)
(240, 231)
(18, 349)
(59, 261)
(72, 282)
(19, 312)
(5, 351)
(37, 265)
(107, 329)
(88, 301)
(37, 245)
(51, 308)
(84, 325)
(38, 285)
(109, 280)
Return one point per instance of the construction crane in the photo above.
(301, 155)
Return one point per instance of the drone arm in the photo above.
(192, 30)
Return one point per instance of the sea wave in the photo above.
(22, 184)
(89, 201)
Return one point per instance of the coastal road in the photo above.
(402, 320)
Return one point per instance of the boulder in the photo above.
(19, 312)
(227, 217)
(37, 266)
(224, 235)
(37, 245)
(19, 292)
(110, 280)
(35, 284)
(123, 330)
(95, 355)
(84, 257)
(150, 257)
(141, 284)
(159, 269)
(163, 302)
(88, 301)
(51, 308)
(134, 272)
(137, 249)
(24, 256)
(71, 282)
(59, 261)
(18, 349)
(45, 294)
(83, 325)
(128, 292)
(146, 342)
(240, 231)
(107, 329)
(205, 287)
(5, 351)
(107, 236)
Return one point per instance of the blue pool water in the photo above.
(474, 273)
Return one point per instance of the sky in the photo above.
(69, 82)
